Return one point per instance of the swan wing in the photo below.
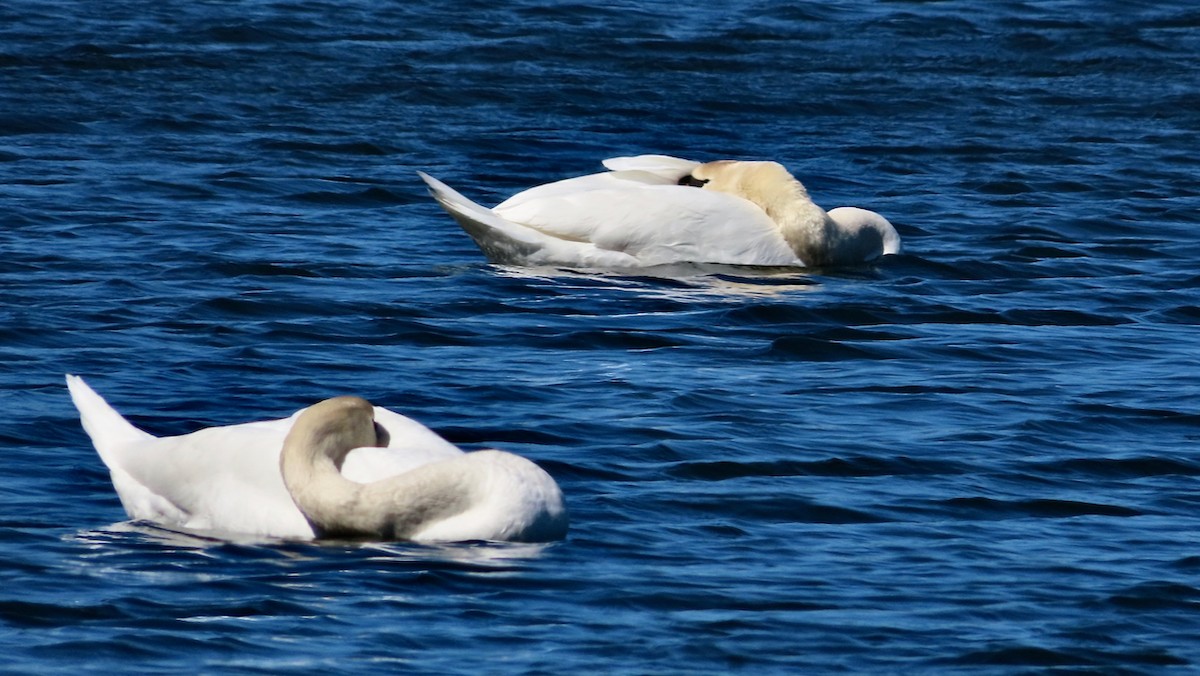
(227, 478)
(623, 171)
(515, 501)
(215, 479)
(658, 224)
(486, 495)
(606, 180)
(410, 445)
(665, 166)
(506, 242)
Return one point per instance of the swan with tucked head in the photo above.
(228, 481)
(485, 495)
(656, 210)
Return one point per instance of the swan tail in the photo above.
(107, 428)
(501, 241)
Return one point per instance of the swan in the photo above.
(478, 496)
(656, 210)
(229, 479)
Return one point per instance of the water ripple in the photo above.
(975, 456)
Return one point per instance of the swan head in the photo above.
(332, 428)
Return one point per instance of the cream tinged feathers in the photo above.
(806, 227)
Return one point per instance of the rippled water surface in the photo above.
(980, 455)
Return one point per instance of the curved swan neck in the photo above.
(397, 507)
(314, 450)
(806, 227)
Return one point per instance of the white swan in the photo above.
(656, 210)
(228, 479)
(478, 496)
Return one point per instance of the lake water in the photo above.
(979, 456)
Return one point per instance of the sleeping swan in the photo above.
(476, 496)
(656, 210)
(229, 479)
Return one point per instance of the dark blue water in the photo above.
(980, 456)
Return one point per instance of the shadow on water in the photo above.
(701, 281)
(145, 534)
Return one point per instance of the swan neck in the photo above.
(396, 507)
(805, 226)
(312, 455)
(319, 490)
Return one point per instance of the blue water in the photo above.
(980, 456)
